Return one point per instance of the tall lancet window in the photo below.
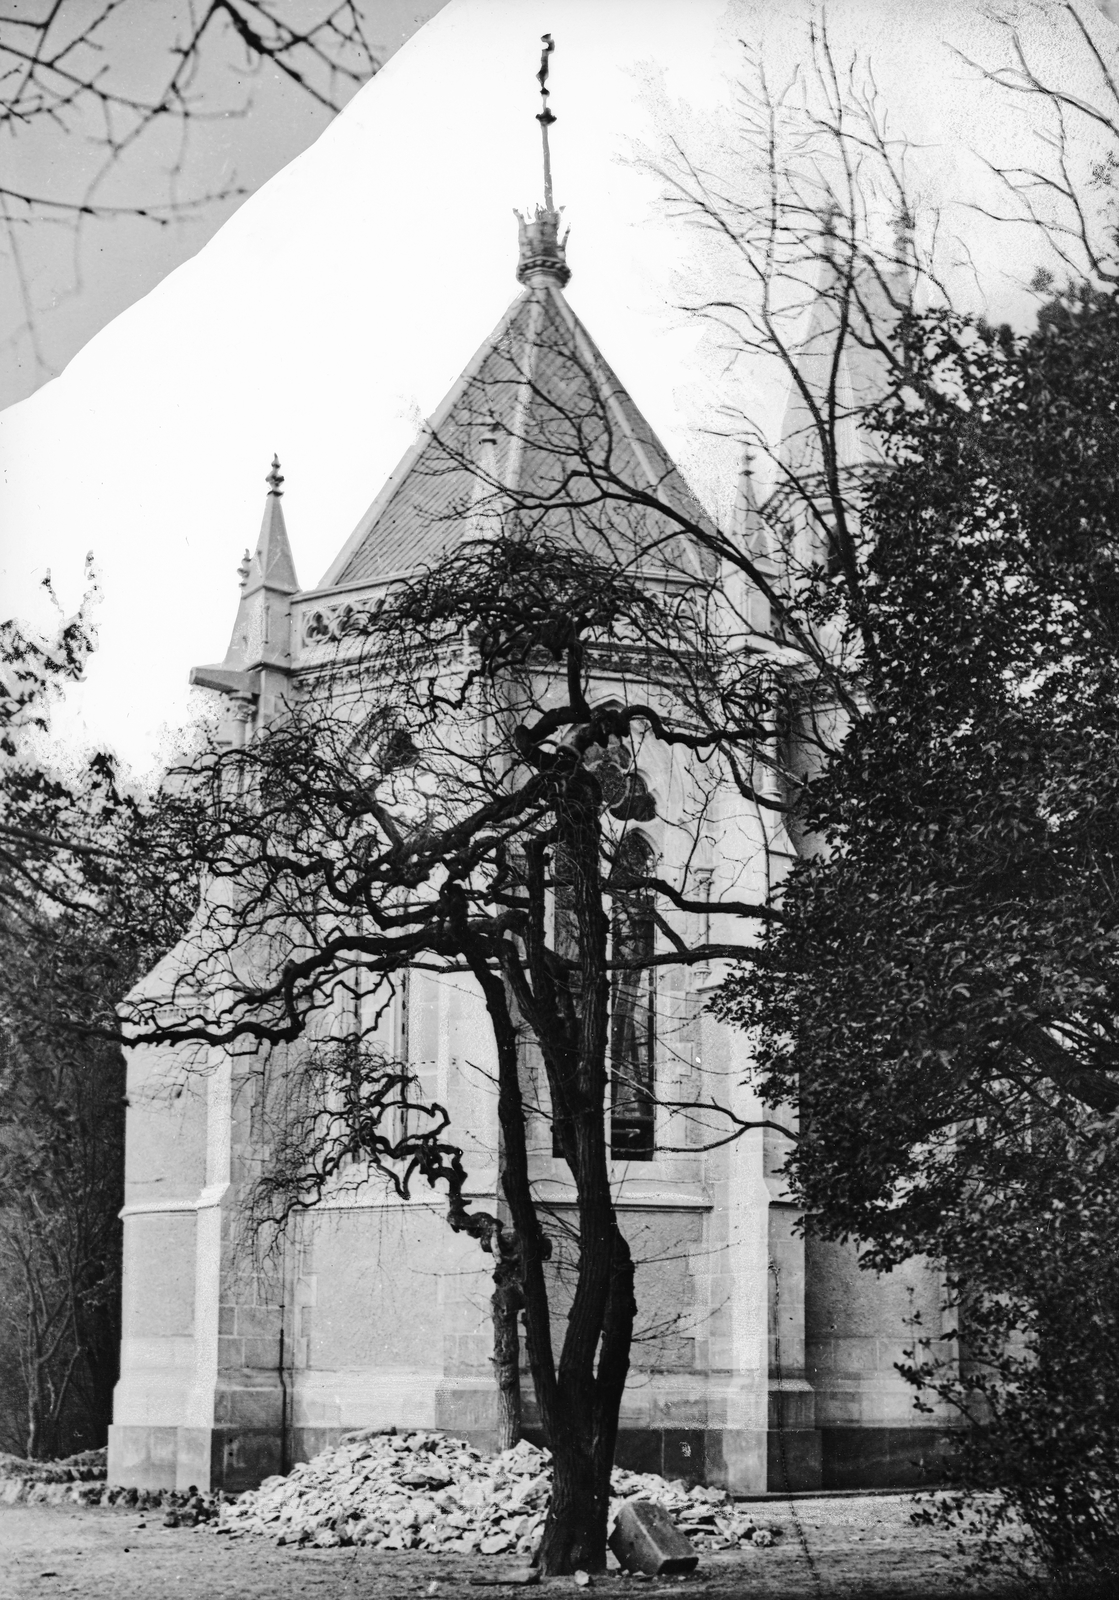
(633, 1037)
(567, 948)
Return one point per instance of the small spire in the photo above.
(905, 250)
(828, 230)
(261, 641)
(543, 252)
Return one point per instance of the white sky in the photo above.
(339, 303)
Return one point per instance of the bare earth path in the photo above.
(863, 1546)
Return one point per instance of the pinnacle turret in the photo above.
(271, 566)
(261, 637)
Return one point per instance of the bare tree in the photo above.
(463, 792)
(72, 71)
(1068, 202)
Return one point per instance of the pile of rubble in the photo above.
(416, 1491)
(708, 1517)
(81, 1480)
(426, 1491)
(51, 1481)
(87, 1465)
(185, 1508)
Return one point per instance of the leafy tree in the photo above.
(942, 985)
(84, 909)
(61, 1188)
(58, 817)
(935, 991)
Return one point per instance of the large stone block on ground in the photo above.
(645, 1540)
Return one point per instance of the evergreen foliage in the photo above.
(943, 985)
(85, 907)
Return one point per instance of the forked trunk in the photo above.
(582, 1432)
(575, 1532)
(579, 1402)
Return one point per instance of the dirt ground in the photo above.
(857, 1546)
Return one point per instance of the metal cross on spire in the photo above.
(545, 117)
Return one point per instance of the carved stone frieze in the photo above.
(338, 619)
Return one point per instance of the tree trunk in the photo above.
(1060, 1066)
(579, 1403)
(507, 1301)
(583, 1429)
(581, 1423)
(575, 1532)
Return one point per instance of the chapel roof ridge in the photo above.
(538, 375)
(495, 433)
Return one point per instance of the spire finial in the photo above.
(545, 117)
(542, 250)
(275, 478)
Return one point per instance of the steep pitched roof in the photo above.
(538, 424)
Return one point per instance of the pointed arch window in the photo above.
(631, 1040)
(632, 1003)
(566, 938)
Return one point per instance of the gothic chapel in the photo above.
(773, 1366)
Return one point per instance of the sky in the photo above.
(327, 316)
